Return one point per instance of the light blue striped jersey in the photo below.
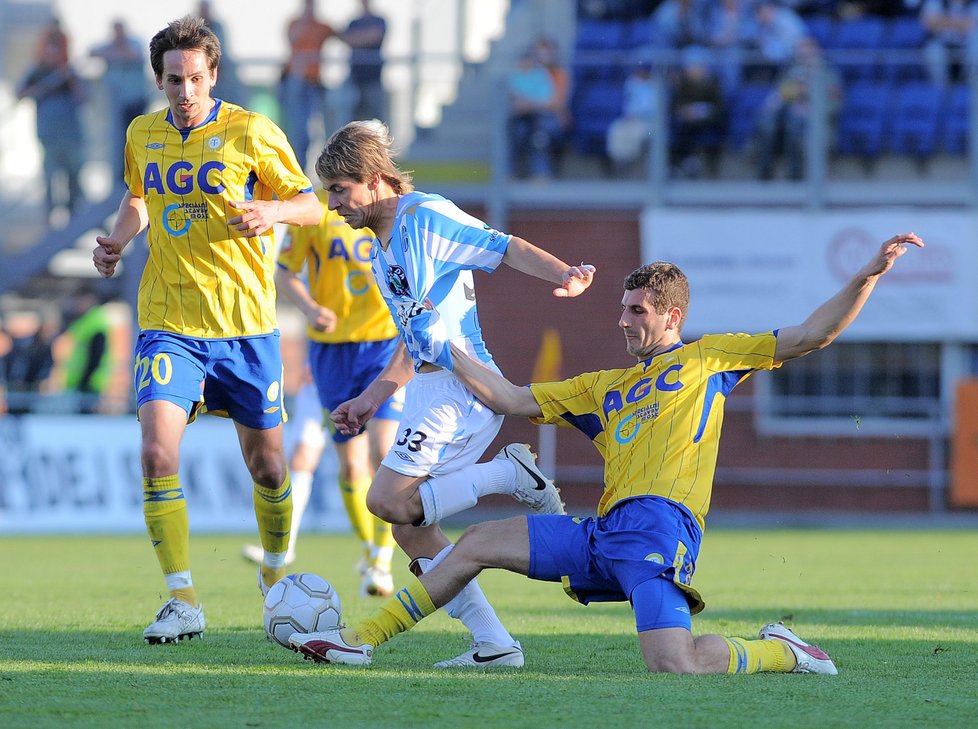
(425, 275)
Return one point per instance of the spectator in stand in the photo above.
(89, 362)
(731, 30)
(534, 122)
(681, 23)
(124, 82)
(952, 26)
(786, 113)
(549, 55)
(57, 92)
(53, 35)
(302, 92)
(696, 115)
(230, 87)
(778, 31)
(630, 134)
(26, 360)
(365, 36)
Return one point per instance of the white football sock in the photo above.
(472, 608)
(442, 496)
(301, 491)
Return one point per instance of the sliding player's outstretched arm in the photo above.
(501, 395)
(830, 319)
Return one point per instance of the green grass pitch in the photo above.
(897, 610)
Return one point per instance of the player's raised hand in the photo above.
(576, 281)
(107, 254)
(350, 416)
(256, 217)
(892, 250)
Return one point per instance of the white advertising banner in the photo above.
(755, 270)
(82, 474)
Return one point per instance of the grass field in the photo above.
(897, 610)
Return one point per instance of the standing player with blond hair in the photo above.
(209, 179)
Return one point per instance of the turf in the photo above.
(897, 610)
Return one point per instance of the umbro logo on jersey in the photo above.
(404, 456)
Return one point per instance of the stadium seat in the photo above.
(640, 33)
(821, 27)
(744, 105)
(957, 120)
(601, 35)
(906, 36)
(862, 119)
(594, 107)
(916, 111)
(856, 41)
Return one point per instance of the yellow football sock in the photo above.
(165, 512)
(402, 612)
(273, 512)
(355, 500)
(752, 656)
(384, 544)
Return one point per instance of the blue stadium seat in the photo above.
(860, 37)
(915, 114)
(744, 105)
(906, 35)
(601, 35)
(640, 33)
(821, 28)
(957, 120)
(905, 31)
(594, 106)
(862, 118)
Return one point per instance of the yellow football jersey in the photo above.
(203, 278)
(657, 424)
(337, 261)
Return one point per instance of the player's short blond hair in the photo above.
(360, 150)
(665, 285)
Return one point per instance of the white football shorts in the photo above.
(443, 428)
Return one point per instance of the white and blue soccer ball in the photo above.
(300, 603)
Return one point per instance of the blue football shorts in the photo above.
(239, 378)
(344, 369)
(644, 550)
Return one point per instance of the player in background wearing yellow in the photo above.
(351, 339)
(209, 179)
(657, 427)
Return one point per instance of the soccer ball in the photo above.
(300, 603)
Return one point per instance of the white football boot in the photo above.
(487, 655)
(329, 646)
(810, 658)
(175, 621)
(532, 487)
(377, 582)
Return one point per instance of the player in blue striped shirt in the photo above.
(423, 258)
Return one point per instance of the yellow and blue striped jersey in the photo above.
(203, 278)
(657, 424)
(337, 261)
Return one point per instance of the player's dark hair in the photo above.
(360, 150)
(189, 33)
(665, 284)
